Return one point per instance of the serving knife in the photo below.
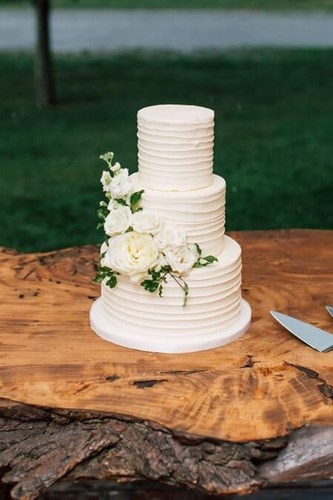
(330, 310)
(316, 338)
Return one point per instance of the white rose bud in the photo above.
(170, 237)
(116, 167)
(132, 254)
(180, 259)
(120, 184)
(118, 221)
(113, 205)
(145, 221)
(106, 180)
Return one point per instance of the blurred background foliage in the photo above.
(273, 145)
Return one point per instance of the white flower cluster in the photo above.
(138, 241)
(116, 182)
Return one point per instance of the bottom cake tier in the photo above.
(214, 315)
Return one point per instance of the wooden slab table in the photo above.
(253, 413)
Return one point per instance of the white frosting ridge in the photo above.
(173, 142)
(213, 301)
(176, 135)
(201, 212)
(176, 114)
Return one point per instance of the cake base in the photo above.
(168, 344)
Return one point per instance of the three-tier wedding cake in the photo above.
(170, 277)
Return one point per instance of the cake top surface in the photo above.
(176, 113)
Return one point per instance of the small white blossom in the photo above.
(113, 205)
(170, 237)
(116, 167)
(145, 221)
(118, 221)
(106, 181)
(107, 157)
(181, 259)
(120, 184)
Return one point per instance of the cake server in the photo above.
(315, 337)
(330, 310)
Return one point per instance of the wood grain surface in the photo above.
(259, 387)
(256, 412)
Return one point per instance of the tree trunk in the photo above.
(45, 88)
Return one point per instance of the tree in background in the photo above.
(43, 68)
(44, 78)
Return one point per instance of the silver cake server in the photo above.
(315, 337)
(330, 310)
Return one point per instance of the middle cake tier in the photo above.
(201, 212)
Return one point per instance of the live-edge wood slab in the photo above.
(225, 420)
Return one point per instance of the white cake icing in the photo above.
(175, 147)
(214, 301)
(200, 212)
(175, 171)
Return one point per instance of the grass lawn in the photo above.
(274, 133)
(188, 4)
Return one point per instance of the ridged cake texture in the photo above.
(175, 147)
(200, 212)
(213, 302)
(175, 170)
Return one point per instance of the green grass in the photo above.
(188, 4)
(274, 133)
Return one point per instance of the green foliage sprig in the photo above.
(155, 279)
(108, 274)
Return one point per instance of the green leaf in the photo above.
(210, 259)
(160, 290)
(150, 285)
(98, 278)
(199, 251)
(121, 202)
(105, 270)
(112, 281)
(135, 198)
(205, 261)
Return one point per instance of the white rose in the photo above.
(120, 184)
(118, 221)
(180, 259)
(132, 254)
(170, 237)
(145, 221)
(106, 180)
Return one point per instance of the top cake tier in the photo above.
(175, 147)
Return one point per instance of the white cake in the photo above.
(175, 170)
